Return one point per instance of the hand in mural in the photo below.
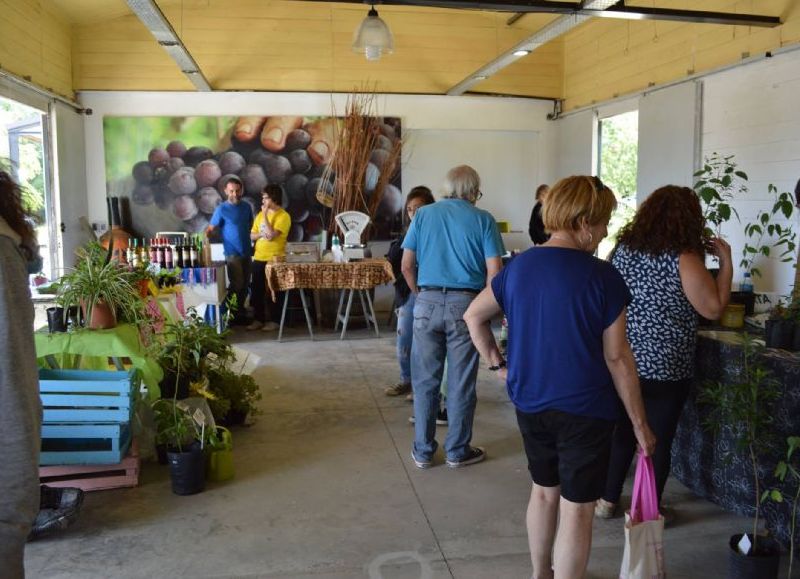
(273, 132)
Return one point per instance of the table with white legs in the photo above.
(351, 278)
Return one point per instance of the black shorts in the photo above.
(567, 450)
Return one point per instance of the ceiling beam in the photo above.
(154, 20)
(688, 16)
(615, 9)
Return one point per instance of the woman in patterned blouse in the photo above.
(661, 256)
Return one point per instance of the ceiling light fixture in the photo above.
(373, 37)
(522, 52)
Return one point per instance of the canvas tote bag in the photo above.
(644, 528)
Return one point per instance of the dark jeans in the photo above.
(261, 298)
(663, 404)
(238, 281)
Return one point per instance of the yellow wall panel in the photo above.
(604, 59)
(35, 44)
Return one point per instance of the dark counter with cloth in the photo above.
(711, 466)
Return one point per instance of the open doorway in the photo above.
(22, 153)
(618, 158)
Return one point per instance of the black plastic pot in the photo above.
(233, 418)
(187, 470)
(167, 386)
(56, 321)
(161, 453)
(761, 565)
(747, 299)
(779, 334)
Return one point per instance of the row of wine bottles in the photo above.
(168, 253)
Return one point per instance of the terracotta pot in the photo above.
(103, 317)
(144, 288)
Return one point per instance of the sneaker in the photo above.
(423, 464)
(475, 454)
(441, 418)
(398, 389)
(270, 327)
(604, 509)
(254, 325)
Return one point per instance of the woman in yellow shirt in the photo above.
(270, 229)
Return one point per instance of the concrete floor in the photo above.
(325, 489)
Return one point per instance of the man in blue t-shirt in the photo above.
(451, 251)
(234, 219)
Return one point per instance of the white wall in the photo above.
(509, 140)
(669, 120)
(750, 111)
(577, 145)
(483, 116)
(753, 112)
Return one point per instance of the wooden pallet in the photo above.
(96, 477)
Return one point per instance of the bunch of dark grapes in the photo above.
(189, 182)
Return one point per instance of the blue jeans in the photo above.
(405, 329)
(440, 334)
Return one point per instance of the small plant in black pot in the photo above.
(788, 474)
(744, 408)
(779, 329)
(177, 430)
(235, 395)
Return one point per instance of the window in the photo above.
(618, 138)
(22, 146)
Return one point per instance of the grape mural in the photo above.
(172, 169)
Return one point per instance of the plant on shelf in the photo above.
(719, 183)
(789, 468)
(766, 224)
(744, 408)
(101, 287)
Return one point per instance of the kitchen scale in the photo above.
(352, 224)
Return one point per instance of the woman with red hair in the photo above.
(661, 256)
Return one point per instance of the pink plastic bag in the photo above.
(644, 528)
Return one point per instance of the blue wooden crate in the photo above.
(84, 443)
(87, 395)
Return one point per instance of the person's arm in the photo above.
(493, 267)
(409, 268)
(478, 318)
(622, 366)
(707, 295)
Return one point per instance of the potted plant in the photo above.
(719, 183)
(186, 350)
(788, 469)
(239, 392)
(177, 429)
(102, 288)
(782, 238)
(743, 408)
(779, 329)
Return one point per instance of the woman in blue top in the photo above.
(569, 365)
(661, 256)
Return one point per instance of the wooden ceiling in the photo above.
(283, 45)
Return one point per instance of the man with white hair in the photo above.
(451, 252)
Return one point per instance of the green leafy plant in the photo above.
(766, 224)
(175, 426)
(744, 405)
(240, 391)
(719, 183)
(190, 347)
(98, 280)
(788, 468)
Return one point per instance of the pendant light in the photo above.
(373, 37)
